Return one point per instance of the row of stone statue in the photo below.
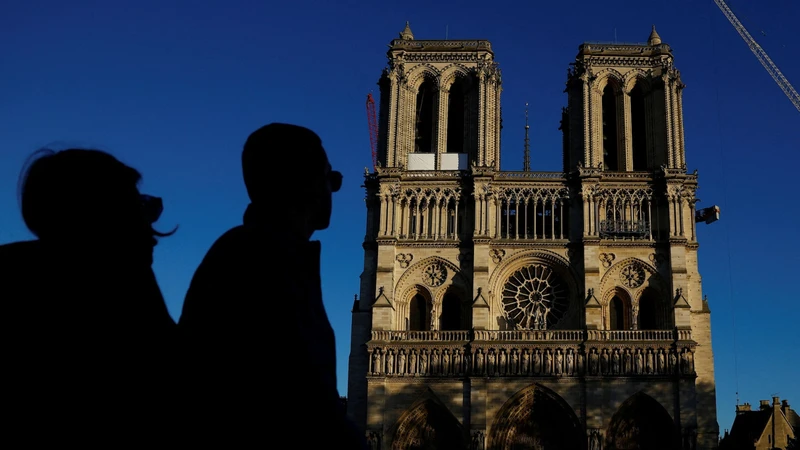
(532, 361)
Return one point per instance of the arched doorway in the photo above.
(430, 426)
(419, 313)
(619, 307)
(641, 423)
(653, 314)
(536, 418)
(452, 313)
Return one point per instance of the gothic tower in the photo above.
(520, 309)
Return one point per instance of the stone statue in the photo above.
(412, 362)
(661, 361)
(536, 362)
(390, 362)
(650, 362)
(491, 360)
(526, 359)
(615, 361)
(570, 358)
(594, 362)
(627, 363)
(559, 362)
(604, 362)
(673, 361)
(446, 362)
(514, 362)
(547, 364)
(503, 361)
(423, 362)
(457, 361)
(376, 362)
(638, 363)
(401, 362)
(684, 362)
(435, 362)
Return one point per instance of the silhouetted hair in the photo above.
(69, 190)
(281, 153)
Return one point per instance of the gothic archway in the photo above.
(536, 418)
(429, 426)
(641, 423)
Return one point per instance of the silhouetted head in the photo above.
(88, 198)
(277, 156)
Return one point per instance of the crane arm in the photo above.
(762, 56)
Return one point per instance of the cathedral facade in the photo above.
(523, 309)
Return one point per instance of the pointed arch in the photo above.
(420, 73)
(610, 86)
(641, 422)
(640, 276)
(654, 310)
(609, 76)
(414, 276)
(416, 311)
(428, 424)
(636, 77)
(450, 73)
(536, 417)
(618, 305)
(456, 309)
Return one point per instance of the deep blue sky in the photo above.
(173, 88)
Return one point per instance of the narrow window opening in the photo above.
(451, 313)
(638, 129)
(423, 137)
(610, 150)
(418, 314)
(617, 314)
(456, 113)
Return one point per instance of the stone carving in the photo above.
(435, 274)
(595, 439)
(607, 259)
(401, 362)
(657, 259)
(634, 359)
(404, 259)
(373, 440)
(497, 255)
(632, 275)
(477, 440)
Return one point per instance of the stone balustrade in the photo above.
(539, 353)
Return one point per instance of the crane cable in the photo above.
(725, 202)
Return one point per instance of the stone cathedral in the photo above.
(523, 309)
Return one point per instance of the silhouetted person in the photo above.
(264, 351)
(86, 330)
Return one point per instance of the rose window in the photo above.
(632, 276)
(435, 274)
(535, 298)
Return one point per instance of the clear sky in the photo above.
(173, 88)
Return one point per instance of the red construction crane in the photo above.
(372, 122)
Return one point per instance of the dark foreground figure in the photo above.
(86, 334)
(261, 348)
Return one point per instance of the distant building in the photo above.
(774, 426)
(525, 309)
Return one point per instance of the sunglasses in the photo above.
(335, 179)
(152, 207)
